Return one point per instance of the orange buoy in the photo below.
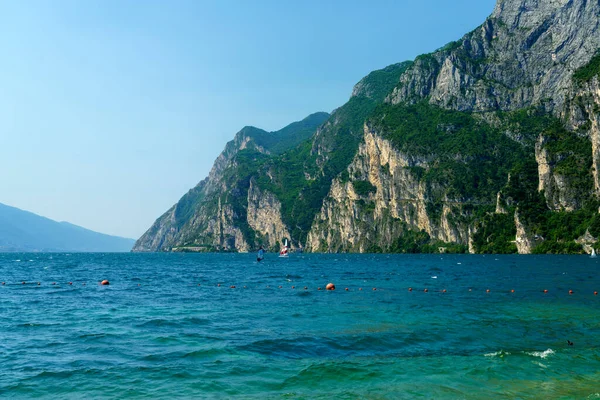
(443, 290)
(570, 292)
(105, 282)
(330, 286)
(487, 291)
(410, 289)
(426, 290)
(595, 293)
(374, 288)
(545, 290)
(512, 290)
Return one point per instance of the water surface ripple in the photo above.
(170, 325)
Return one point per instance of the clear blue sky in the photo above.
(111, 110)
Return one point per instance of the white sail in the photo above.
(285, 250)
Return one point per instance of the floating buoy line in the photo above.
(329, 287)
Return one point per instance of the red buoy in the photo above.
(570, 292)
(330, 286)
(443, 290)
(410, 289)
(232, 287)
(105, 282)
(346, 289)
(595, 293)
(545, 290)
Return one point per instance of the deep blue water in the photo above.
(164, 328)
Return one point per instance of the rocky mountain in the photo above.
(489, 144)
(22, 231)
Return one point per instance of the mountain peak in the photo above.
(526, 12)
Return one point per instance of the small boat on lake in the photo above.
(285, 250)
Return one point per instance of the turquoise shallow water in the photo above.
(165, 329)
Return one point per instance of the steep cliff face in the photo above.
(220, 213)
(524, 54)
(528, 73)
(490, 145)
(264, 216)
(379, 199)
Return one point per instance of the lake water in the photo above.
(164, 328)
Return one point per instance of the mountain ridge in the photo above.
(22, 231)
(489, 144)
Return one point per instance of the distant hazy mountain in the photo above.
(24, 231)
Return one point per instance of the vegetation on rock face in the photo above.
(466, 154)
(290, 136)
(363, 188)
(469, 156)
(301, 177)
(588, 71)
(416, 241)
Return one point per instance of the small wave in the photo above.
(434, 277)
(159, 322)
(500, 354)
(197, 321)
(208, 353)
(541, 354)
(35, 325)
